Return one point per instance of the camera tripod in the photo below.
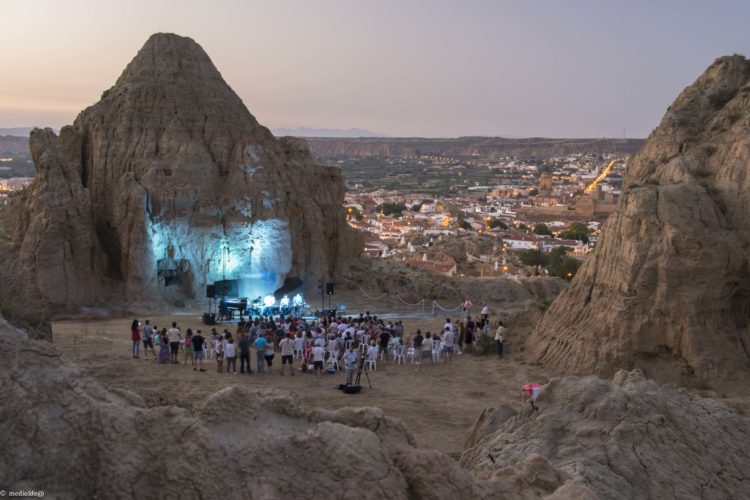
(362, 368)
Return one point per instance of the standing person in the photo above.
(417, 345)
(219, 349)
(287, 346)
(269, 355)
(164, 356)
(189, 347)
(499, 338)
(148, 340)
(230, 351)
(485, 314)
(174, 341)
(245, 354)
(427, 345)
(199, 344)
(448, 324)
(260, 345)
(135, 336)
(448, 340)
(468, 304)
(350, 363)
(318, 355)
(469, 334)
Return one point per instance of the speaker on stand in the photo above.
(329, 291)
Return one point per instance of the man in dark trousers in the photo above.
(199, 346)
(245, 353)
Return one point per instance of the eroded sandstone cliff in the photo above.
(169, 183)
(668, 286)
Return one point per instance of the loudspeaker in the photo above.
(351, 389)
(210, 291)
(329, 289)
(209, 319)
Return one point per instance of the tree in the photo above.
(523, 227)
(392, 209)
(533, 192)
(576, 231)
(542, 230)
(416, 207)
(464, 224)
(533, 258)
(495, 223)
(561, 265)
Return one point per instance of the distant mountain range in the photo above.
(325, 132)
(16, 131)
(481, 147)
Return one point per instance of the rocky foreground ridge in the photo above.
(585, 438)
(668, 286)
(169, 180)
(66, 434)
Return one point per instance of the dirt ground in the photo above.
(438, 403)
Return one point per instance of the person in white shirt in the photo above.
(318, 354)
(499, 338)
(230, 351)
(287, 353)
(448, 325)
(174, 336)
(448, 340)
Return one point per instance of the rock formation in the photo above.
(668, 286)
(67, 435)
(169, 180)
(628, 438)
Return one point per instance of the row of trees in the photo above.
(557, 261)
(576, 231)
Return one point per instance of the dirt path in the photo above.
(439, 403)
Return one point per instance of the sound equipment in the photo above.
(209, 319)
(352, 389)
(210, 291)
(329, 289)
(227, 288)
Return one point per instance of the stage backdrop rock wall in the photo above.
(169, 179)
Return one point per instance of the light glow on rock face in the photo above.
(258, 254)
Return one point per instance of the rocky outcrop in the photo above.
(668, 287)
(628, 439)
(170, 183)
(67, 435)
(484, 147)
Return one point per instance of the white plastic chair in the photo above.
(333, 363)
(398, 355)
(411, 355)
(436, 352)
(372, 360)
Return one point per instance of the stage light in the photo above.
(269, 300)
(284, 302)
(298, 300)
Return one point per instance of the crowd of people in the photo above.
(327, 344)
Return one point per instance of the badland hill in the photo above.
(169, 183)
(668, 286)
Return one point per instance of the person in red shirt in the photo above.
(135, 336)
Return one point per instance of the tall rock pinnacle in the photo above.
(668, 287)
(183, 187)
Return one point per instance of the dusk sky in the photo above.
(403, 68)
